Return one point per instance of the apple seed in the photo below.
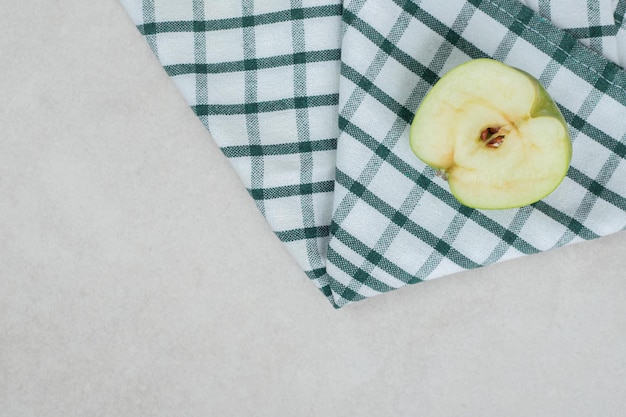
(495, 142)
(489, 138)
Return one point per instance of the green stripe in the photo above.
(572, 224)
(620, 12)
(202, 89)
(240, 22)
(280, 149)
(307, 57)
(316, 273)
(369, 87)
(305, 190)
(303, 233)
(593, 31)
(257, 163)
(594, 20)
(266, 106)
(292, 190)
(544, 9)
(149, 27)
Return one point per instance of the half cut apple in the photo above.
(496, 135)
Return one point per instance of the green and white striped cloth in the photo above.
(311, 101)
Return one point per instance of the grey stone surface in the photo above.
(138, 279)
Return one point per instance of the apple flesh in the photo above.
(494, 133)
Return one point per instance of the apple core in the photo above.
(502, 141)
(491, 137)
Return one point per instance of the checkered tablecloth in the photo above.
(311, 101)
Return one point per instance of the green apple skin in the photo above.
(521, 163)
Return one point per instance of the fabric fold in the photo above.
(394, 222)
(311, 101)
